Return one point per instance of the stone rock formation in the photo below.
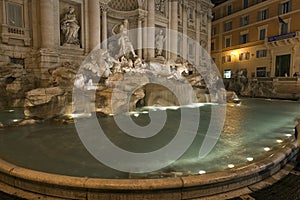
(111, 85)
(56, 100)
(15, 81)
(46, 102)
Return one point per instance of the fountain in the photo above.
(110, 102)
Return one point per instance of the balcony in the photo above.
(282, 37)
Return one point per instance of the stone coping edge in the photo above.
(189, 187)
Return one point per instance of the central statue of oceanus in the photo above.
(121, 58)
(126, 47)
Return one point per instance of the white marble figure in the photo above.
(159, 42)
(123, 41)
(90, 85)
(79, 81)
(69, 27)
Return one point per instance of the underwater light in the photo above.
(267, 149)
(231, 166)
(250, 159)
(202, 172)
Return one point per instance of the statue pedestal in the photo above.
(158, 59)
(71, 46)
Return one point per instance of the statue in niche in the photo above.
(69, 27)
(159, 42)
(123, 40)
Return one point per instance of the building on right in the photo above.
(258, 38)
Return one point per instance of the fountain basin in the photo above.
(68, 187)
(49, 159)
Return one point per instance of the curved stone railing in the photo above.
(190, 187)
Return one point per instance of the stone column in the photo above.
(174, 27)
(198, 32)
(145, 39)
(185, 30)
(47, 23)
(140, 37)
(209, 20)
(94, 23)
(151, 31)
(104, 26)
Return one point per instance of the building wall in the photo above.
(39, 41)
(281, 46)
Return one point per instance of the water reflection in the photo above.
(252, 131)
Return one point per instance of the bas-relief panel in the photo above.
(161, 7)
(64, 9)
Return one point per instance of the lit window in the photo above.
(244, 38)
(285, 7)
(244, 20)
(263, 15)
(244, 56)
(228, 58)
(262, 34)
(284, 28)
(14, 14)
(261, 53)
(261, 72)
(247, 56)
(227, 42)
(229, 9)
(246, 3)
(228, 26)
(223, 59)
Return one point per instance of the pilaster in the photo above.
(151, 30)
(174, 27)
(94, 23)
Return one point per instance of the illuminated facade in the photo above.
(260, 38)
(38, 35)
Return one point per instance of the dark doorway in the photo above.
(283, 65)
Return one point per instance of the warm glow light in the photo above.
(288, 135)
(267, 149)
(234, 53)
(15, 120)
(250, 159)
(202, 172)
(279, 141)
(136, 114)
(231, 166)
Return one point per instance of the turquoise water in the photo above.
(250, 129)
